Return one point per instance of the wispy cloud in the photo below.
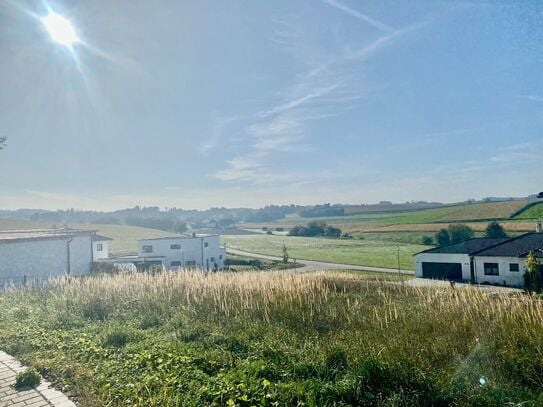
(533, 98)
(358, 15)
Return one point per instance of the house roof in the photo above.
(8, 236)
(469, 246)
(518, 246)
(100, 238)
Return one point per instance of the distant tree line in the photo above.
(315, 228)
(161, 223)
(319, 211)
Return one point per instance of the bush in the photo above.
(495, 231)
(27, 378)
(117, 337)
(460, 232)
(443, 238)
(427, 240)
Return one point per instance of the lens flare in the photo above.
(60, 29)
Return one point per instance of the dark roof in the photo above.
(469, 246)
(518, 246)
(100, 238)
(8, 236)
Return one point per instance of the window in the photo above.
(212, 259)
(147, 249)
(175, 264)
(206, 244)
(175, 246)
(99, 247)
(220, 257)
(190, 263)
(492, 269)
(513, 267)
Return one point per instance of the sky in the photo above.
(198, 104)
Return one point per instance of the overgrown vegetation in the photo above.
(315, 228)
(281, 338)
(27, 378)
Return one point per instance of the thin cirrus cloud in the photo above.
(326, 88)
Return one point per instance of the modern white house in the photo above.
(481, 260)
(100, 247)
(177, 252)
(39, 254)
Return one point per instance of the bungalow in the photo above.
(481, 260)
(45, 252)
(100, 247)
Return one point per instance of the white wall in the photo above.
(44, 258)
(511, 278)
(104, 253)
(193, 249)
(443, 258)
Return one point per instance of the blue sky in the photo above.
(247, 103)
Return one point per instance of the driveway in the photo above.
(311, 265)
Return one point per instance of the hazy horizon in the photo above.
(231, 104)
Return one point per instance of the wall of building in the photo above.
(505, 277)
(103, 254)
(443, 258)
(199, 252)
(44, 258)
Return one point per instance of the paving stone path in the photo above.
(41, 396)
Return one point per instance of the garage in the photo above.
(443, 271)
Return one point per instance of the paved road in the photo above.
(311, 265)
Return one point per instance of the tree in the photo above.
(443, 238)
(495, 231)
(285, 254)
(532, 276)
(460, 232)
(331, 231)
(427, 240)
(298, 230)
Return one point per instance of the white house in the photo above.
(196, 251)
(481, 260)
(37, 254)
(100, 247)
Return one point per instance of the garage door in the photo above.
(444, 271)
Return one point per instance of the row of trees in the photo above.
(315, 228)
(161, 223)
(458, 232)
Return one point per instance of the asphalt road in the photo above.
(311, 265)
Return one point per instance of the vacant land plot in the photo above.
(367, 252)
(276, 339)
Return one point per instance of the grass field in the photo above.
(368, 252)
(276, 339)
(532, 212)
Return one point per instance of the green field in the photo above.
(532, 212)
(456, 213)
(367, 252)
(276, 339)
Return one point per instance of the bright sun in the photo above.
(60, 29)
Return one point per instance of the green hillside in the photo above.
(534, 211)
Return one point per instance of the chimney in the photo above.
(538, 227)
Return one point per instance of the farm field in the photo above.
(276, 338)
(367, 252)
(532, 212)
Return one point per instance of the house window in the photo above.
(175, 246)
(147, 249)
(220, 257)
(212, 259)
(190, 263)
(492, 269)
(513, 267)
(175, 264)
(99, 247)
(206, 244)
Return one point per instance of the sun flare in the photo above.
(60, 29)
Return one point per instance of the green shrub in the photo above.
(27, 378)
(118, 336)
